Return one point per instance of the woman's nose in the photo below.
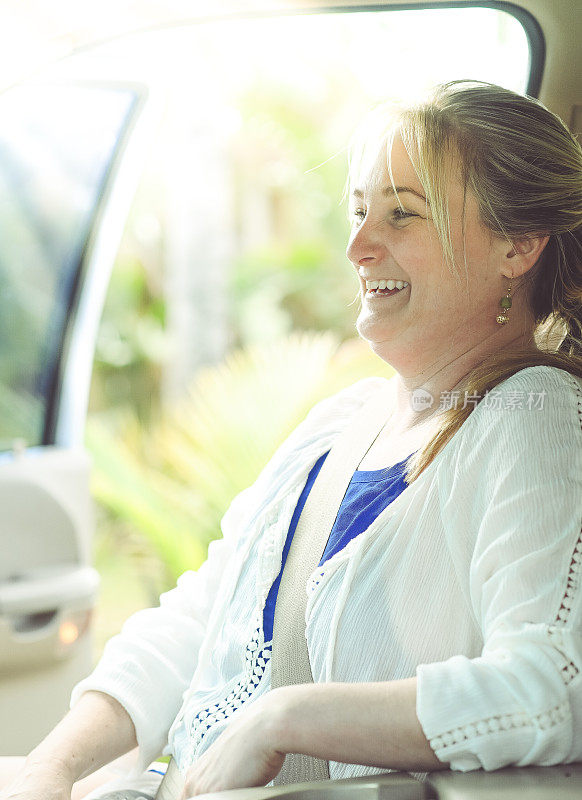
(365, 246)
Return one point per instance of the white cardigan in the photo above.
(469, 579)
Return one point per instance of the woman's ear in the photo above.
(524, 254)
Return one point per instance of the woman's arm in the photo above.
(96, 731)
(514, 506)
(355, 723)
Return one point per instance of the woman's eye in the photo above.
(395, 216)
(400, 214)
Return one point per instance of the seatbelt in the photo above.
(172, 783)
(289, 656)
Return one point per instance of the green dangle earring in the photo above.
(505, 304)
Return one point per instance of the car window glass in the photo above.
(238, 224)
(56, 144)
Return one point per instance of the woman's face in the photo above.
(435, 318)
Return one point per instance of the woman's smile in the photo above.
(379, 294)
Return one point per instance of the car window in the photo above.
(56, 147)
(238, 221)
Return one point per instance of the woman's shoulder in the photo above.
(551, 391)
(533, 399)
(524, 438)
(548, 377)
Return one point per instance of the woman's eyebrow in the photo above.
(390, 190)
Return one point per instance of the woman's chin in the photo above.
(375, 332)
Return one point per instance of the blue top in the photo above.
(369, 492)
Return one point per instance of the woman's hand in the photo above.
(245, 754)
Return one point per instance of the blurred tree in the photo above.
(292, 230)
(289, 230)
(173, 481)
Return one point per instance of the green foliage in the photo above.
(296, 275)
(169, 476)
(286, 174)
(136, 492)
(173, 481)
(131, 343)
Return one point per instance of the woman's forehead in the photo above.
(386, 164)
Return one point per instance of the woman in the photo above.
(444, 620)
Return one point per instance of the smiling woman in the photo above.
(392, 241)
(439, 212)
(442, 622)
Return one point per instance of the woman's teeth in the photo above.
(374, 286)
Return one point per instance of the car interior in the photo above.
(82, 105)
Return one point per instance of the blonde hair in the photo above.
(525, 169)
